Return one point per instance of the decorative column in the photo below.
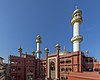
(76, 21)
(47, 51)
(38, 42)
(58, 64)
(20, 51)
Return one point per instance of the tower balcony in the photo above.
(76, 18)
(38, 41)
(77, 38)
(38, 51)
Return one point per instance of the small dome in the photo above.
(65, 51)
(57, 46)
(38, 37)
(46, 50)
(77, 11)
(20, 49)
(33, 52)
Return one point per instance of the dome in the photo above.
(77, 11)
(20, 49)
(38, 37)
(64, 52)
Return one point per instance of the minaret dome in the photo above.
(76, 16)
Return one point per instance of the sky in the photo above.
(22, 20)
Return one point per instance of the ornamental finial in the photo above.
(87, 52)
(76, 7)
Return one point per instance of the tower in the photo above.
(20, 51)
(38, 42)
(76, 21)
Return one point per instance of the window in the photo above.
(62, 78)
(52, 66)
(19, 69)
(19, 62)
(18, 76)
(68, 69)
(31, 71)
(13, 69)
(68, 61)
(13, 77)
(66, 78)
(62, 61)
(13, 62)
(91, 60)
(44, 63)
(41, 63)
(62, 69)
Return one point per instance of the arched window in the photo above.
(68, 69)
(62, 69)
(68, 61)
(62, 78)
(52, 66)
(62, 61)
(66, 78)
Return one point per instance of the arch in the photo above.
(52, 70)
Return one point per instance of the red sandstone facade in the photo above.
(62, 65)
(25, 67)
(72, 66)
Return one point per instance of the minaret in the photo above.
(38, 42)
(87, 52)
(76, 21)
(20, 51)
(33, 53)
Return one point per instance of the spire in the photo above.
(76, 7)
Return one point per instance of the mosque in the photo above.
(63, 65)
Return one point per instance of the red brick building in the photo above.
(63, 65)
(26, 67)
(73, 66)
